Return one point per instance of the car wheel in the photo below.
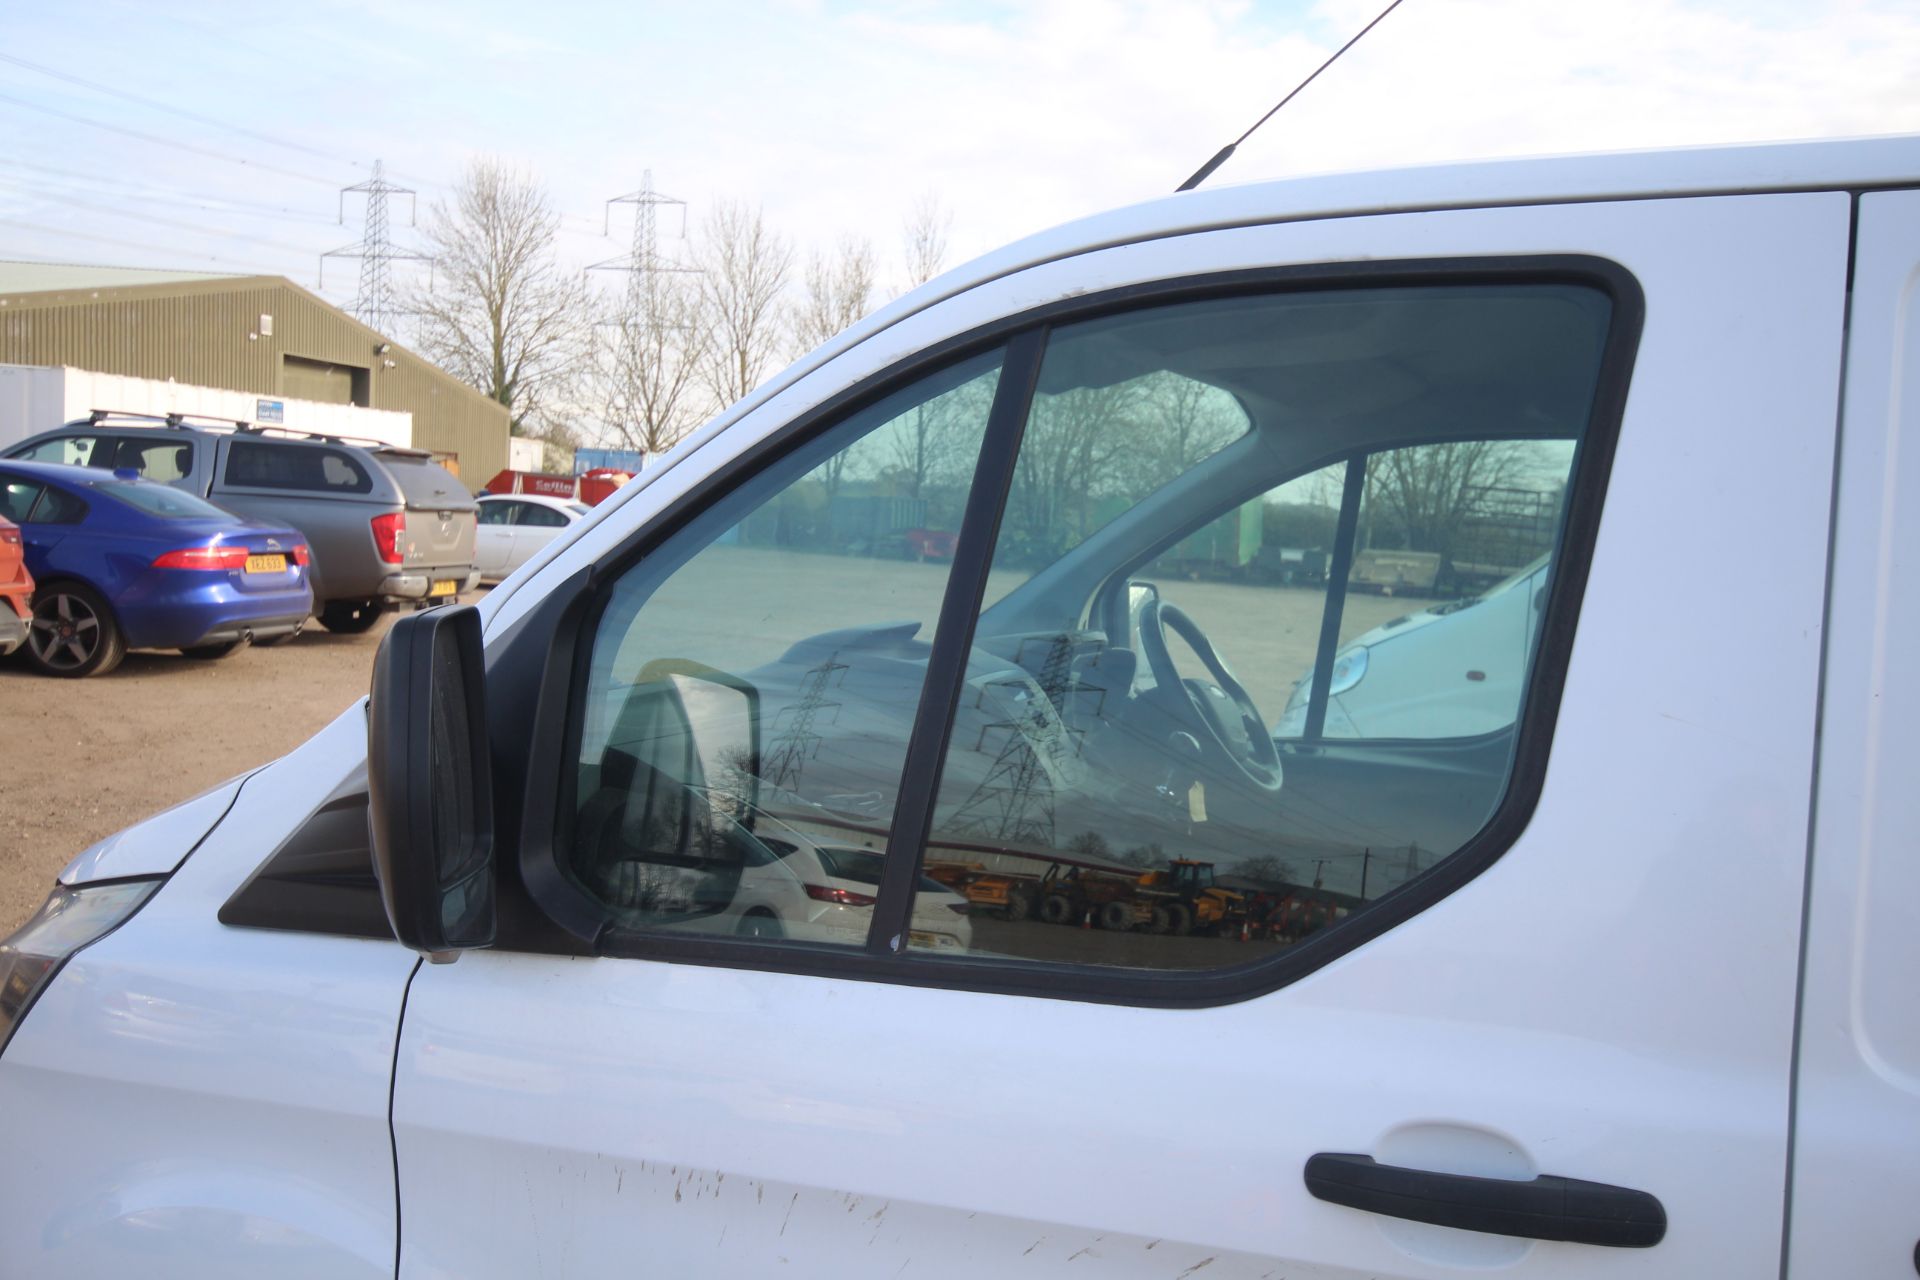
(210, 652)
(73, 633)
(349, 617)
(760, 924)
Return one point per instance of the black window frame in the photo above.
(543, 653)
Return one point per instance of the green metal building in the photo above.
(263, 335)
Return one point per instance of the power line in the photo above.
(147, 191)
(173, 108)
(247, 268)
(154, 219)
(255, 165)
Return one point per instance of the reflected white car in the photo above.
(514, 526)
(1453, 670)
(813, 891)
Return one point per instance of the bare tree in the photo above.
(925, 239)
(744, 265)
(836, 292)
(651, 362)
(1428, 492)
(500, 313)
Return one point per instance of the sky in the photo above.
(217, 135)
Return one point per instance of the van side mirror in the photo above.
(430, 784)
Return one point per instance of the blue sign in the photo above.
(585, 460)
(270, 411)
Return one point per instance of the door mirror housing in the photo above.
(430, 783)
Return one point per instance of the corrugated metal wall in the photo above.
(199, 332)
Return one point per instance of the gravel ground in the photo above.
(80, 759)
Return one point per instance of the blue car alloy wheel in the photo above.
(73, 632)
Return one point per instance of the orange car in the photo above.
(16, 588)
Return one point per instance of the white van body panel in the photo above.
(195, 1101)
(158, 845)
(1856, 1181)
(585, 1102)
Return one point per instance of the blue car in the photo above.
(123, 563)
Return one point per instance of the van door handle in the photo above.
(1545, 1208)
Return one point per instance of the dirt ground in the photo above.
(81, 759)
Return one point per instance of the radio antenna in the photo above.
(1205, 171)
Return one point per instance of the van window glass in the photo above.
(72, 451)
(754, 681)
(1144, 771)
(258, 464)
(425, 482)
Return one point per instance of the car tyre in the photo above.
(213, 652)
(1057, 909)
(1116, 917)
(1179, 920)
(1019, 906)
(349, 617)
(72, 632)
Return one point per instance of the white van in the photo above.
(1616, 986)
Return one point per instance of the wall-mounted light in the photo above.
(253, 337)
(389, 364)
(383, 348)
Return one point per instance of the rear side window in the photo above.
(541, 517)
(16, 498)
(312, 468)
(58, 507)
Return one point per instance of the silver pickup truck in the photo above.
(388, 526)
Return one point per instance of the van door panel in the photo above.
(1611, 1001)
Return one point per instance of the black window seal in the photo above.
(1171, 989)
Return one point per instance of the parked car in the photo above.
(1625, 990)
(513, 527)
(1451, 669)
(388, 526)
(123, 563)
(16, 588)
(821, 892)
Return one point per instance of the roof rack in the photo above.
(240, 426)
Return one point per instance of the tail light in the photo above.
(959, 908)
(10, 534)
(388, 532)
(69, 920)
(302, 554)
(839, 897)
(215, 557)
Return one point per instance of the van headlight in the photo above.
(1349, 666)
(71, 918)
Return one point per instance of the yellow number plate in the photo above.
(266, 564)
(444, 587)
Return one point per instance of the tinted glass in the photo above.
(262, 465)
(1144, 771)
(754, 681)
(58, 507)
(426, 483)
(539, 517)
(497, 512)
(17, 497)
